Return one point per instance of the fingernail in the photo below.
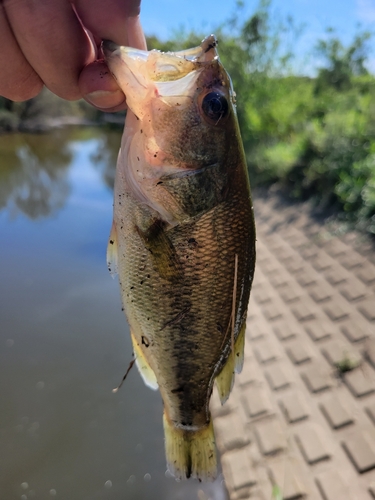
(105, 99)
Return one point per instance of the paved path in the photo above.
(301, 417)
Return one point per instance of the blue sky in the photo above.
(162, 16)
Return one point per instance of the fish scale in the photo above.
(183, 239)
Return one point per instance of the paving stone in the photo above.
(239, 468)
(279, 279)
(250, 373)
(286, 473)
(309, 251)
(285, 331)
(336, 275)
(272, 312)
(351, 259)
(313, 230)
(303, 312)
(341, 354)
(367, 274)
(336, 312)
(262, 294)
(266, 351)
(369, 352)
(289, 293)
(256, 331)
(335, 413)
(295, 237)
(370, 410)
(270, 267)
(219, 410)
(294, 407)
(283, 253)
(367, 308)
(263, 259)
(316, 379)
(274, 242)
(294, 265)
(320, 292)
(359, 384)
(336, 247)
(360, 449)
(306, 277)
(319, 331)
(271, 436)
(256, 401)
(299, 353)
(231, 431)
(353, 331)
(354, 290)
(313, 446)
(278, 377)
(321, 262)
(332, 486)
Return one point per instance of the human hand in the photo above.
(44, 43)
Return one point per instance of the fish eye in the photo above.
(215, 106)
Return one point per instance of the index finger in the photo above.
(115, 20)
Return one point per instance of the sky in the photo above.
(161, 17)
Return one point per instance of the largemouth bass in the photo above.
(183, 237)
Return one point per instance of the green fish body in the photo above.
(183, 237)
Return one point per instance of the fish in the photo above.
(183, 237)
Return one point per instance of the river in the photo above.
(64, 342)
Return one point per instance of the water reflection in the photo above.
(33, 174)
(105, 157)
(64, 342)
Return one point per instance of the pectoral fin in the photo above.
(225, 379)
(164, 256)
(112, 258)
(144, 368)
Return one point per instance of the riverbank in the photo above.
(47, 111)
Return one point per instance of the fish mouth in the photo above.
(143, 74)
(161, 66)
(206, 51)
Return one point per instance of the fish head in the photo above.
(184, 104)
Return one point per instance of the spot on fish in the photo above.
(145, 341)
(178, 389)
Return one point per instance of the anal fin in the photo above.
(144, 368)
(112, 257)
(190, 453)
(234, 364)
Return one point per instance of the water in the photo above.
(64, 342)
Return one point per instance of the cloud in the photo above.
(366, 10)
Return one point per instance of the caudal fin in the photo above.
(190, 453)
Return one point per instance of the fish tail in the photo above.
(190, 453)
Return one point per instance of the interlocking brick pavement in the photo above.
(301, 417)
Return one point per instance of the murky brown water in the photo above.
(64, 342)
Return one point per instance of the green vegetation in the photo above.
(313, 135)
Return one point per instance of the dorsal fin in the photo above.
(112, 257)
